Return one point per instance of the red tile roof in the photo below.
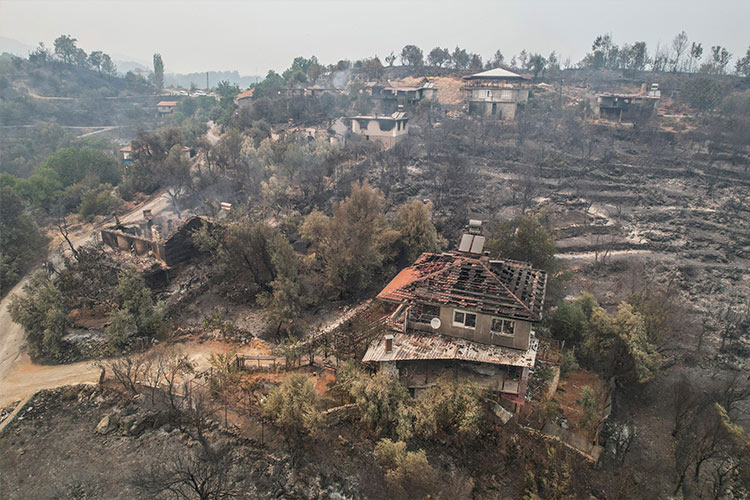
(167, 103)
(246, 94)
(499, 287)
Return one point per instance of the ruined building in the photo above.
(388, 130)
(631, 108)
(391, 98)
(167, 240)
(496, 92)
(464, 313)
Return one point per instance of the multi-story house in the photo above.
(496, 92)
(465, 313)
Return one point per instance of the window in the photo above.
(489, 93)
(505, 327)
(464, 319)
(506, 95)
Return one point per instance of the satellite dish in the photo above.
(435, 323)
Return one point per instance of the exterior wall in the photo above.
(481, 334)
(244, 103)
(502, 110)
(429, 94)
(495, 98)
(420, 375)
(165, 110)
(374, 132)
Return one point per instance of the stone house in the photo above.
(464, 313)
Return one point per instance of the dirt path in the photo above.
(18, 375)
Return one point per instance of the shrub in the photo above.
(568, 362)
(568, 322)
(293, 407)
(590, 405)
(408, 472)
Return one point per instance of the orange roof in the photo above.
(497, 287)
(246, 94)
(406, 276)
(167, 103)
(126, 149)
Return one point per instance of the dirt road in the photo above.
(18, 375)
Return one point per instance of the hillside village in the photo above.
(431, 279)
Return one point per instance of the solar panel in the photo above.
(465, 245)
(477, 245)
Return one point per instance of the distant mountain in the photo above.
(214, 77)
(14, 47)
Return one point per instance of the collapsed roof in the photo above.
(497, 287)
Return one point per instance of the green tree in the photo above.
(158, 71)
(288, 296)
(96, 59)
(383, 401)
(590, 405)
(42, 311)
(418, 233)
(742, 66)
(352, 245)
(244, 250)
(65, 48)
(451, 406)
(619, 345)
(408, 472)
(568, 322)
(20, 238)
(411, 55)
(108, 67)
(293, 408)
(526, 239)
(438, 57)
(137, 313)
(373, 68)
(460, 58)
(73, 164)
(536, 64)
(497, 60)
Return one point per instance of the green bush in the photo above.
(590, 405)
(568, 362)
(408, 472)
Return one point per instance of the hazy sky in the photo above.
(253, 36)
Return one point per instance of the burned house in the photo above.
(167, 240)
(388, 130)
(496, 92)
(462, 313)
(632, 108)
(392, 98)
(166, 107)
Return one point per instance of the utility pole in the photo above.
(207, 86)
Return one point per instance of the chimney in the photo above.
(388, 344)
